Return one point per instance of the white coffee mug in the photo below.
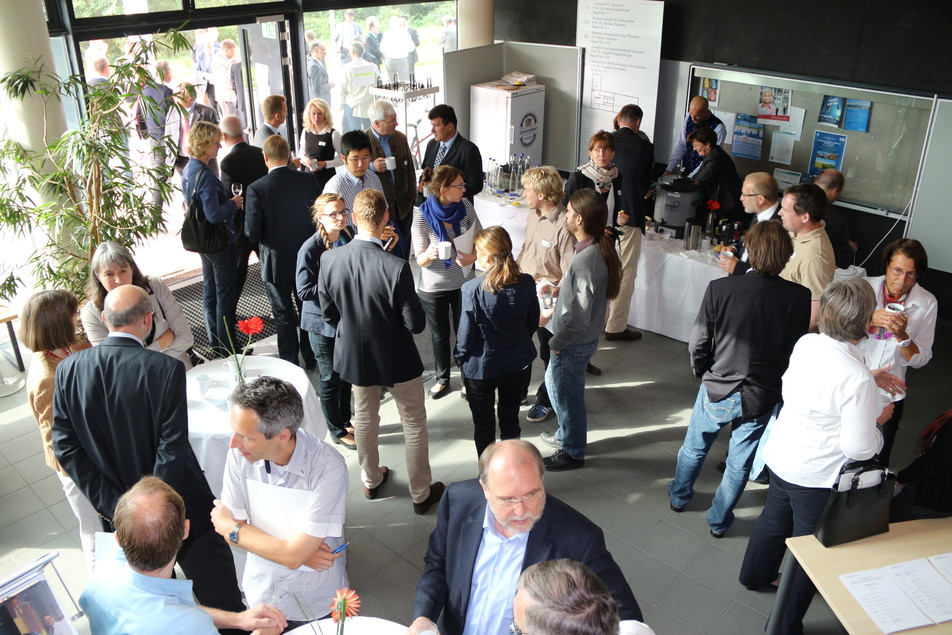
(444, 250)
(391, 163)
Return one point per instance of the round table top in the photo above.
(360, 625)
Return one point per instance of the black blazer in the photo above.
(634, 158)
(743, 337)
(562, 532)
(578, 181)
(119, 413)
(367, 294)
(718, 176)
(463, 154)
(278, 217)
(244, 164)
(743, 267)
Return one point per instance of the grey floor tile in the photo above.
(18, 505)
(365, 556)
(648, 577)
(717, 569)
(10, 480)
(629, 523)
(22, 447)
(672, 544)
(36, 529)
(49, 490)
(705, 608)
(664, 623)
(33, 469)
(739, 619)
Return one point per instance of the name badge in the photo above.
(546, 243)
(322, 143)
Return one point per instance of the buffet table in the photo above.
(493, 210)
(209, 427)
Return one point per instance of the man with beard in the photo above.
(490, 530)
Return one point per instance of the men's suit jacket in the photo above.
(318, 82)
(634, 158)
(463, 154)
(262, 134)
(367, 294)
(399, 188)
(244, 164)
(450, 557)
(743, 337)
(152, 110)
(119, 413)
(278, 217)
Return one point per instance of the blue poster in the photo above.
(828, 148)
(856, 116)
(831, 110)
(748, 137)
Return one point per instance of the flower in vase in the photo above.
(346, 604)
(713, 205)
(250, 327)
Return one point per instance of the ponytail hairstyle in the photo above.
(495, 243)
(591, 209)
(317, 210)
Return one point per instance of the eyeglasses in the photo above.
(525, 500)
(342, 214)
(742, 195)
(515, 630)
(461, 186)
(899, 273)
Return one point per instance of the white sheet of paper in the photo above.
(795, 125)
(276, 510)
(728, 119)
(884, 601)
(464, 243)
(781, 148)
(943, 564)
(925, 586)
(786, 178)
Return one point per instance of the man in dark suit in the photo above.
(760, 197)
(448, 147)
(275, 111)
(740, 347)
(244, 164)
(278, 217)
(177, 125)
(399, 184)
(319, 84)
(490, 530)
(119, 413)
(634, 157)
(151, 113)
(367, 294)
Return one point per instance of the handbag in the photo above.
(198, 234)
(858, 506)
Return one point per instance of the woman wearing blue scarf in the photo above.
(442, 217)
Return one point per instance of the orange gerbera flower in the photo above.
(346, 604)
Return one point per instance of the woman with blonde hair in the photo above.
(444, 216)
(330, 218)
(220, 268)
(48, 328)
(500, 312)
(320, 142)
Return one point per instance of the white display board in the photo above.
(622, 41)
(931, 222)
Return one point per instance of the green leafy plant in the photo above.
(83, 187)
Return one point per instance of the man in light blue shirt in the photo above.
(132, 591)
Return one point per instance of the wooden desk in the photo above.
(903, 542)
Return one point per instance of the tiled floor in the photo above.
(685, 581)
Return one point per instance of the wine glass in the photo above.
(236, 189)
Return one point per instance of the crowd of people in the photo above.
(808, 372)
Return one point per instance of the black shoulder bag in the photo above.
(858, 506)
(198, 234)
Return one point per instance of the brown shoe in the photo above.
(373, 492)
(436, 492)
(628, 335)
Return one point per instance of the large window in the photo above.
(101, 8)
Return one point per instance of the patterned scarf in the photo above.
(603, 178)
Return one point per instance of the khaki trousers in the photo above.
(629, 250)
(409, 397)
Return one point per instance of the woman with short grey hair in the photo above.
(830, 416)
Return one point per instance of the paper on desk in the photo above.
(464, 243)
(884, 601)
(925, 586)
(943, 564)
(275, 510)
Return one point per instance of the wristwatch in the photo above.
(903, 344)
(233, 536)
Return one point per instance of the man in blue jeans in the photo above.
(740, 347)
(593, 278)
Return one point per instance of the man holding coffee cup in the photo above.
(391, 162)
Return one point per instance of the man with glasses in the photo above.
(760, 197)
(489, 530)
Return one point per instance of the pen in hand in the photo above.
(341, 548)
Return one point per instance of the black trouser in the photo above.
(243, 249)
(890, 428)
(285, 306)
(542, 394)
(335, 392)
(403, 224)
(207, 561)
(441, 307)
(481, 394)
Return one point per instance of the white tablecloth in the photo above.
(209, 427)
(670, 287)
(492, 210)
(359, 625)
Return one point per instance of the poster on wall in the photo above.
(774, 106)
(622, 42)
(748, 137)
(28, 605)
(828, 149)
(856, 115)
(831, 111)
(709, 89)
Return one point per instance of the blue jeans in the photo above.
(354, 123)
(335, 392)
(219, 297)
(707, 419)
(565, 381)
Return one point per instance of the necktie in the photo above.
(440, 155)
(185, 128)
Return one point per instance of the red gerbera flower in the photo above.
(711, 204)
(251, 326)
(346, 604)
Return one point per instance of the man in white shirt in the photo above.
(283, 501)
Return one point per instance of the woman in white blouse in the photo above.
(113, 266)
(829, 417)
